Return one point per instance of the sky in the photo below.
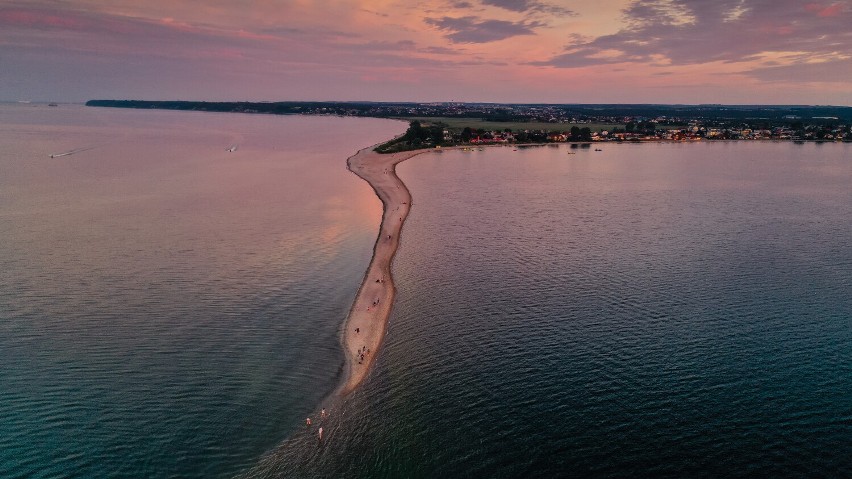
(518, 51)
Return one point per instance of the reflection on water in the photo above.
(168, 307)
(649, 310)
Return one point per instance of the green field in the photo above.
(458, 124)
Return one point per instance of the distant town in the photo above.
(451, 124)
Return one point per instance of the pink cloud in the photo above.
(781, 30)
(34, 18)
(71, 21)
(228, 54)
(832, 10)
(221, 50)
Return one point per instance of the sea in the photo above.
(169, 308)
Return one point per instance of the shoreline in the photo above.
(366, 323)
(368, 318)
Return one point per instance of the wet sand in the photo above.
(372, 306)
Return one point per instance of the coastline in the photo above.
(370, 319)
(366, 324)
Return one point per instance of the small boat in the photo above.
(232, 149)
(52, 104)
(71, 152)
(598, 149)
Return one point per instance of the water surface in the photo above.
(169, 308)
(655, 310)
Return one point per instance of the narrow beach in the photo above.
(365, 327)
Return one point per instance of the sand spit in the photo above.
(365, 327)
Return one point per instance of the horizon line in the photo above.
(449, 102)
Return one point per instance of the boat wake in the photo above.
(72, 152)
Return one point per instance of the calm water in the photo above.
(648, 310)
(168, 308)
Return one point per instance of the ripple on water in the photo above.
(167, 309)
(643, 314)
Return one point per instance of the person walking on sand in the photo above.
(319, 434)
(322, 414)
(308, 421)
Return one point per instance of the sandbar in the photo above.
(366, 324)
(365, 327)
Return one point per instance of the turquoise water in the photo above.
(655, 310)
(168, 308)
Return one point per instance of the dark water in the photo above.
(650, 310)
(168, 308)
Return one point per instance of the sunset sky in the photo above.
(555, 51)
